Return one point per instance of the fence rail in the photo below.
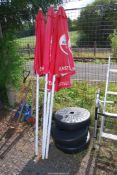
(90, 38)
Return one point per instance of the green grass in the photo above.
(90, 54)
(24, 42)
(82, 94)
(73, 37)
(29, 42)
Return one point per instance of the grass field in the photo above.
(82, 94)
(23, 42)
(29, 43)
(91, 54)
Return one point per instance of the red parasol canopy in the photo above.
(39, 47)
(62, 60)
(61, 64)
(63, 82)
(48, 39)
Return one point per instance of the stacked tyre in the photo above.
(70, 129)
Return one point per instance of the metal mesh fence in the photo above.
(90, 30)
(91, 49)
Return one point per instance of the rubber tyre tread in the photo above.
(71, 126)
(69, 138)
(73, 150)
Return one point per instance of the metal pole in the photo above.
(37, 115)
(50, 116)
(1, 34)
(96, 113)
(44, 116)
(105, 98)
(46, 124)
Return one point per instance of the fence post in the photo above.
(95, 45)
(1, 35)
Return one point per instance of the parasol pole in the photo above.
(44, 116)
(50, 116)
(37, 115)
(46, 122)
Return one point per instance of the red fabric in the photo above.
(39, 47)
(53, 53)
(62, 82)
(62, 59)
(61, 63)
(48, 39)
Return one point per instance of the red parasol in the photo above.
(38, 66)
(48, 39)
(46, 63)
(63, 82)
(62, 59)
(39, 47)
(61, 62)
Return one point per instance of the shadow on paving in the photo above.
(102, 159)
(57, 163)
(106, 159)
(11, 139)
(93, 161)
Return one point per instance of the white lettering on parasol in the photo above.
(66, 68)
(63, 43)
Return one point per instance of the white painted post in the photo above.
(105, 99)
(37, 115)
(50, 116)
(44, 115)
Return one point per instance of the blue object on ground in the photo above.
(27, 111)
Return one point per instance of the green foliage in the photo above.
(113, 38)
(19, 14)
(96, 22)
(81, 94)
(10, 65)
(72, 24)
(13, 15)
(36, 4)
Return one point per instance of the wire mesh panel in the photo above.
(95, 28)
(94, 72)
(92, 30)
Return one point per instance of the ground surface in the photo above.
(87, 71)
(17, 151)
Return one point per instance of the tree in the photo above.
(113, 38)
(15, 13)
(12, 15)
(72, 24)
(96, 22)
(43, 4)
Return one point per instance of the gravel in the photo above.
(17, 156)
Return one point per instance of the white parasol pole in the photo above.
(37, 115)
(44, 116)
(50, 117)
(46, 122)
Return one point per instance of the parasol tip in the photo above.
(52, 5)
(40, 8)
(59, 6)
